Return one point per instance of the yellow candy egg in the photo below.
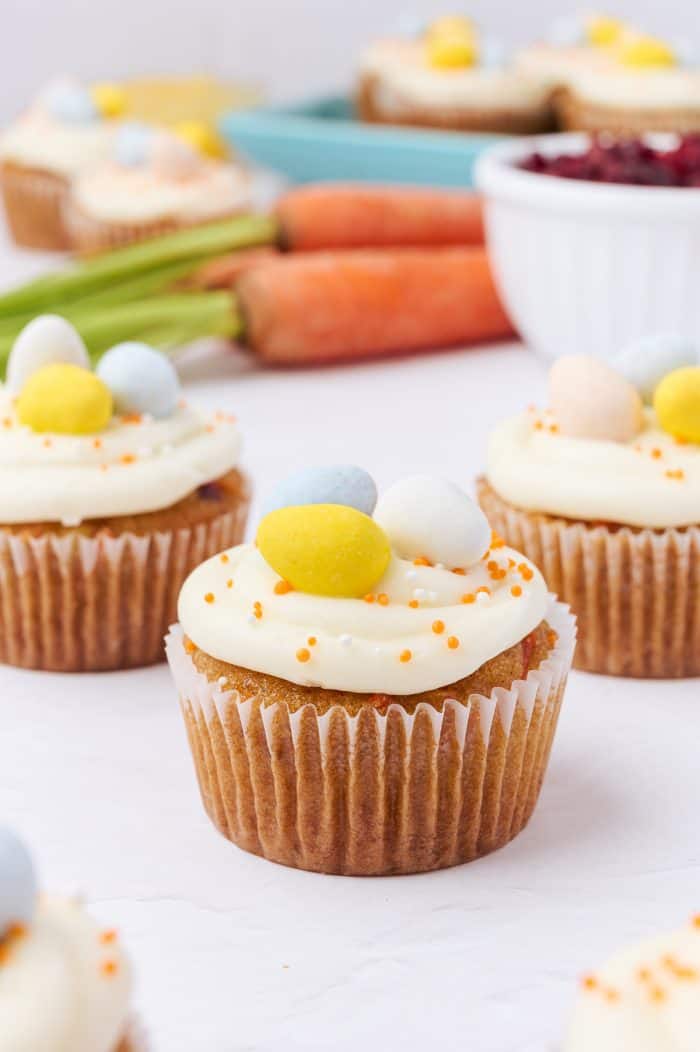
(325, 549)
(65, 400)
(451, 52)
(603, 31)
(201, 137)
(110, 99)
(646, 52)
(677, 403)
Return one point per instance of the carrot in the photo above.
(223, 272)
(334, 305)
(330, 216)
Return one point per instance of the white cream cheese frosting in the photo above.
(423, 628)
(38, 140)
(115, 193)
(645, 999)
(677, 87)
(406, 80)
(135, 465)
(65, 985)
(555, 67)
(651, 481)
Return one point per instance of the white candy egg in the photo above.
(44, 341)
(18, 885)
(591, 400)
(646, 362)
(430, 517)
(141, 379)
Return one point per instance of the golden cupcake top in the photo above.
(398, 594)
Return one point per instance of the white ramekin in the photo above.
(586, 268)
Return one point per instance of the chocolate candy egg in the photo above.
(677, 403)
(18, 885)
(325, 549)
(46, 339)
(141, 379)
(64, 400)
(646, 362)
(430, 518)
(591, 400)
(337, 484)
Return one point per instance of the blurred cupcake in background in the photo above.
(374, 686)
(68, 128)
(450, 76)
(646, 998)
(114, 489)
(602, 491)
(64, 981)
(574, 42)
(155, 181)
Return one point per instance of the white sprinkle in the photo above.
(419, 593)
(252, 619)
(411, 575)
(345, 640)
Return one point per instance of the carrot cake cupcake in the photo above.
(153, 183)
(646, 998)
(602, 492)
(370, 689)
(113, 489)
(574, 43)
(64, 982)
(450, 77)
(67, 128)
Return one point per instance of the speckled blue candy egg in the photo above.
(18, 886)
(133, 144)
(646, 362)
(141, 379)
(338, 484)
(70, 102)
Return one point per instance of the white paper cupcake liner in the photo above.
(374, 793)
(70, 603)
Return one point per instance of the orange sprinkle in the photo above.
(413, 603)
(97, 443)
(438, 627)
(17, 930)
(695, 921)
(258, 610)
(109, 968)
(224, 557)
(554, 428)
(128, 458)
(4, 952)
(611, 994)
(422, 561)
(312, 641)
(496, 541)
(132, 418)
(452, 642)
(511, 563)
(209, 597)
(210, 429)
(484, 590)
(539, 426)
(657, 993)
(303, 655)
(189, 646)
(497, 575)
(282, 587)
(525, 572)
(492, 565)
(516, 591)
(383, 599)
(405, 656)
(468, 597)
(680, 441)
(589, 982)
(229, 583)
(656, 454)
(678, 474)
(110, 935)
(369, 598)
(644, 975)
(47, 443)
(7, 422)
(459, 570)
(552, 637)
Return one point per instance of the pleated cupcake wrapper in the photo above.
(34, 202)
(89, 234)
(577, 114)
(636, 595)
(72, 603)
(373, 793)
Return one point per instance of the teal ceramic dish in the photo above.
(322, 140)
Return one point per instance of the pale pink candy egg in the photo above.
(591, 400)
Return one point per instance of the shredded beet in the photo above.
(629, 161)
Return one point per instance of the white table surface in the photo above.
(236, 953)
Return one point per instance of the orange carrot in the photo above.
(330, 216)
(332, 305)
(223, 271)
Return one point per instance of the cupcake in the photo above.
(113, 490)
(573, 44)
(450, 77)
(68, 128)
(64, 981)
(370, 690)
(154, 182)
(646, 998)
(602, 492)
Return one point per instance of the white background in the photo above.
(233, 953)
(289, 46)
